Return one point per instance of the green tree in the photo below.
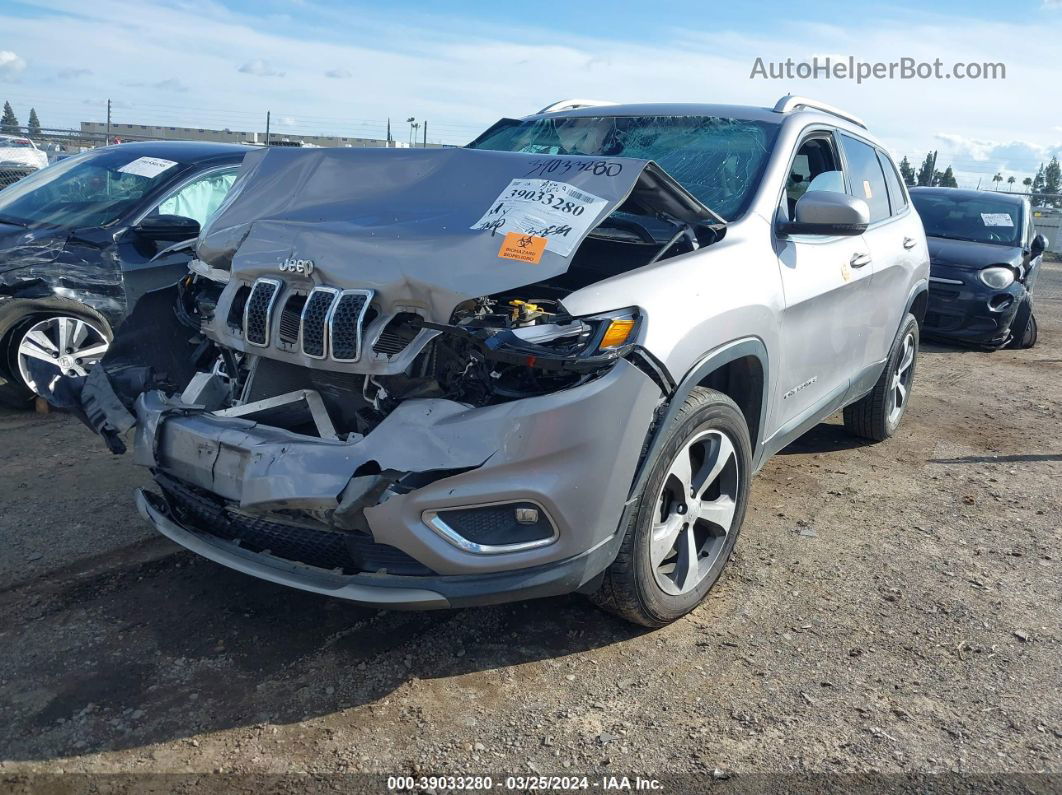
(996, 179)
(946, 179)
(907, 172)
(9, 123)
(1010, 183)
(34, 126)
(1053, 182)
(926, 171)
(1038, 180)
(1027, 182)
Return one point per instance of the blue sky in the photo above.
(341, 68)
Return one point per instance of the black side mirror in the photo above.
(173, 228)
(1038, 245)
(823, 212)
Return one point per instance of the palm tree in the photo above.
(1027, 182)
(997, 178)
(1010, 183)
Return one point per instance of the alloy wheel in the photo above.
(69, 345)
(900, 386)
(695, 512)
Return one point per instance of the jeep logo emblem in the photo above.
(292, 265)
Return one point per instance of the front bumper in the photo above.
(574, 453)
(961, 307)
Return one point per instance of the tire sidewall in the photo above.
(722, 416)
(910, 326)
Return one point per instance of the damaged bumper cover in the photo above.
(568, 457)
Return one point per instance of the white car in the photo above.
(22, 153)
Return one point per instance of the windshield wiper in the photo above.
(7, 219)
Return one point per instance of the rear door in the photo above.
(896, 241)
(826, 282)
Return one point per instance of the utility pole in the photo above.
(268, 114)
(425, 135)
(108, 141)
(388, 131)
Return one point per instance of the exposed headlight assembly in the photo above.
(998, 277)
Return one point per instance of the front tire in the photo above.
(1024, 331)
(687, 517)
(60, 344)
(877, 415)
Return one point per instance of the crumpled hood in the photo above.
(423, 227)
(968, 254)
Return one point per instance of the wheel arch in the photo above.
(917, 303)
(737, 369)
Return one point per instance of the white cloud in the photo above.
(259, 68)
(339, 74)
(11, 66)
(171, 84)
(72, 74)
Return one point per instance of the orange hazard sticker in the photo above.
(522, 248)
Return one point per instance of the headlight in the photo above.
(997, 277)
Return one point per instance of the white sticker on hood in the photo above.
(147, 166)
(557, 211)
(997, 219)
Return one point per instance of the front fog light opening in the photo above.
(1000, 302)
(494, 528)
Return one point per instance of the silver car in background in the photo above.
(548, 362)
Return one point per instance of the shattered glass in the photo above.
(719, 160)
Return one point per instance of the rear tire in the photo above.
(877, 415)
(686, 520)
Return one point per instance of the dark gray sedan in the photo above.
(984, 258)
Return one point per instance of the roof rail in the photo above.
(790, 102)
(572, 104)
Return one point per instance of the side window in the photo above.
(866, 179)
(200, 198)
(815, 167)
(897, 196)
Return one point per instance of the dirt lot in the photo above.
(890, 608)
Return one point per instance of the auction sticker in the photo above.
(147, 166)
(523, 248)
(543, 208)
(997, 219)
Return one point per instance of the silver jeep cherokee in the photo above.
(547, 362)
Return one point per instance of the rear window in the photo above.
(866, 179)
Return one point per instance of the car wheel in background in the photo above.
(49, 346)
(877, 415)
(686, 519)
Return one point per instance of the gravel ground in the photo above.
(890, 608)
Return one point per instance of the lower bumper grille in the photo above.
(352, 553)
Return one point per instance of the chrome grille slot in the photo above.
(290, 318)
(258, 315)
(345, 324)
(314, 324)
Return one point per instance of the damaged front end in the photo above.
(373, 402)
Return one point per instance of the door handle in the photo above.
(859, 260)
(909, 243)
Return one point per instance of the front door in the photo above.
(145, 267)
(826, 284)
